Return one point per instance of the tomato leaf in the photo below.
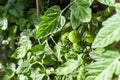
(80, 12)
(24, 45)
(36, 75)
(21, 22)
(58, 51)
(75, 22)
(17, 10)
(38, 49)
(9, 71)
(117, 8)
(90, 2)
(107, 2)
(51, 22)
(23, 77)
(23, 68)
(106, 64)
(109, 33)
(3, 23)
(68, 67)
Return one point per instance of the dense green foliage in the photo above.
(70, 40)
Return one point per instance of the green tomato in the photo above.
(74, 37)
(88, 37)
(64, 38)
(77, 47)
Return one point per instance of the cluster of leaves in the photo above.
(33, 47)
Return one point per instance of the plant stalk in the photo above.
(38, 7)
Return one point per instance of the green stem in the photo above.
(45, 40)
(53, 40)
(106, 13)
(31, 58)
(39, 41)
(66, 7)
(39, 64)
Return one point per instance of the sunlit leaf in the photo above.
(107, 2)
(80, 12)
(69, 67)
(48, 49)
(23, 68)
(58, 51)
(23, 77)
(117, 8)
(3, 23)
(51, 22)
(75, 22)
(105, 66)
(24, 45)
(109, 33)
(50, 70)
(36, 75)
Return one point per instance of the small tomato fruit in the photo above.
(77, 47)
(74, 37)
(88, 37)
(64, 37)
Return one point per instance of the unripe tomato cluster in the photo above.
(75, 38)
(74, 44)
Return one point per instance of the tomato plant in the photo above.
(59, 39)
